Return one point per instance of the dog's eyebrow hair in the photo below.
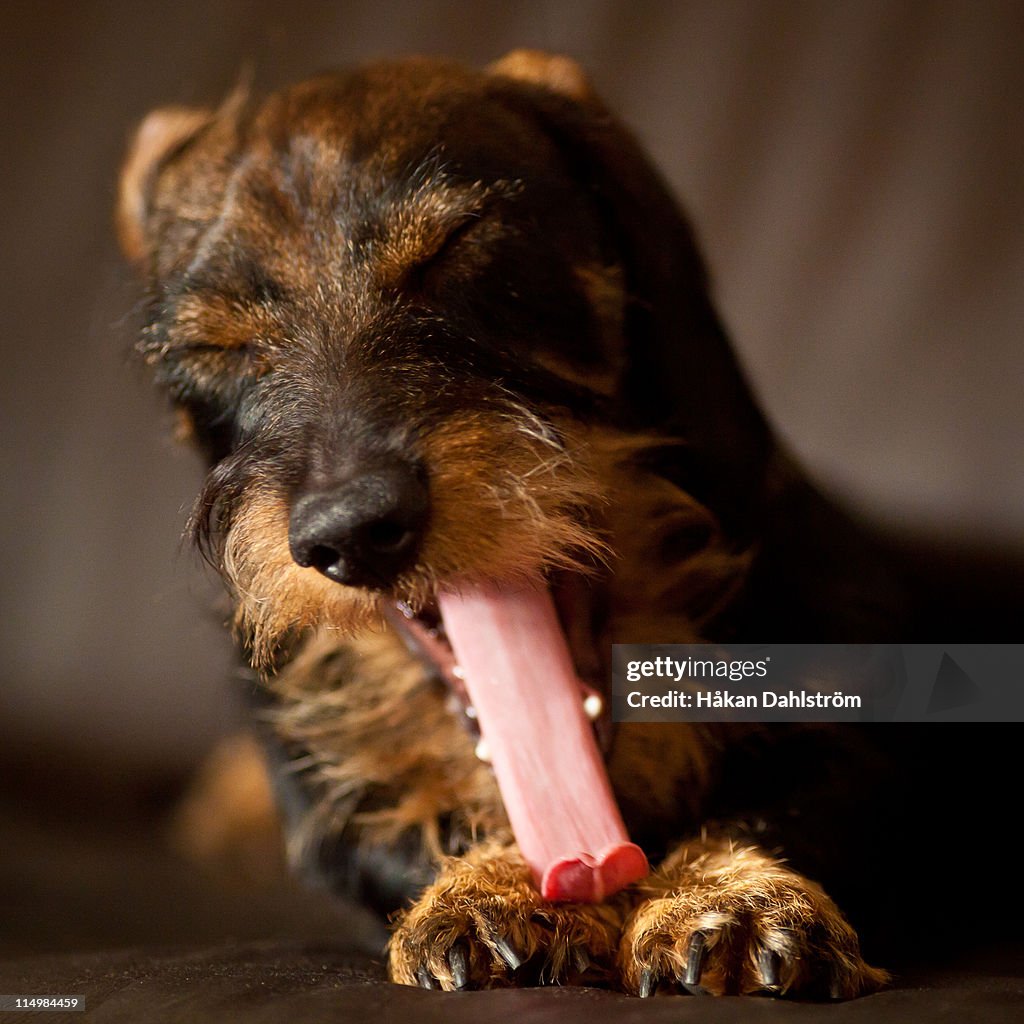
(440, 203)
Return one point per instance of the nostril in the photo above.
(324, 559)
(388, 536)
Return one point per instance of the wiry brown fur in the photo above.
(483, 919)
(735, 921)
(369, 713)
(477, 277)
(514, 499)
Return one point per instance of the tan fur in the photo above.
(275, 597)
(422, 225)
(154, 139)
(724, 908)
(511, 499)
(487, 903)
(228, 818)
(214, 321)
(165, 201)
(550, 70)
(368, 714)
(740, 904)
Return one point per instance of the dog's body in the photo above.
(429, 326)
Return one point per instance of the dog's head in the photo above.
(412, 315)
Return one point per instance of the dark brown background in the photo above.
(855, 172)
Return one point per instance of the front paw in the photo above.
(483, 924)
(738, 922)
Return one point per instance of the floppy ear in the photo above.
(681, 375)
(162, 135)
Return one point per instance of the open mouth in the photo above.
(506, 654)
(426, 637)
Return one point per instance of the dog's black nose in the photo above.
(365, 531)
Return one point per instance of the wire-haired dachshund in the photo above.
(438, 331)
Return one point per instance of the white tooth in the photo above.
(483, 751)
(470, 711)
(458, 672)
(593, 706)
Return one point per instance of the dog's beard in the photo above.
(509, 506)
(507, 519)
(511, 499)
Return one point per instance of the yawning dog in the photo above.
(440, 332)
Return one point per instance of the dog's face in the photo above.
(393, 308)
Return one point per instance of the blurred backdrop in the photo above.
(854, 169)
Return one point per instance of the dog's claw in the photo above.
(768, 962)
(507, 952)
(646, 987)
(458, 964)
(695, 960)
(425, 979)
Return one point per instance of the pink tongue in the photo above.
(528, 700)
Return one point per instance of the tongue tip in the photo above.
(587, 879)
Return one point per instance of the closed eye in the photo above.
(211, 348)
(165, 349)
(208, 359)
(420, 274)
(454, 237)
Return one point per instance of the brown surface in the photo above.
(319, 983)
(88, 861)
(100, 907)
